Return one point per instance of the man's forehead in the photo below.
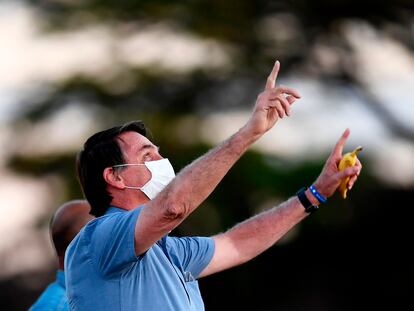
(134, 140)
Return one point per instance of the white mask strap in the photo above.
(122, 165)
(131, 187)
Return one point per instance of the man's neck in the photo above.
(61, 262)
(128, 201)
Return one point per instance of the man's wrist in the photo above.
(248, 135)
(311, 197)
(322, 190)
(308, 204)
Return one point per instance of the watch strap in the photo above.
(309, 208)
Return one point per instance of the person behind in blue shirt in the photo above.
(125, 259)
(65, 224)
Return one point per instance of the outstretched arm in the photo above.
(253, 236)
(195, 182)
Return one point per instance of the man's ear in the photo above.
(112, 178)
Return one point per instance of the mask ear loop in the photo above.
(115, 171)
(128, 164)
(131, 187)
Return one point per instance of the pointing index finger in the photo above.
(337, 152)
(271, 79)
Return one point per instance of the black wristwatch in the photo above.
(309, 208)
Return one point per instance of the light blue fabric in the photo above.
(53, 297)
(103, 272)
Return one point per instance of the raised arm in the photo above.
(250, 238)
(195, 182)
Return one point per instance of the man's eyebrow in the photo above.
(148, 146)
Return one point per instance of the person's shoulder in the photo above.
(104, 224)
(84, 235)
(53, 296)
(115, 217)
(100, 221)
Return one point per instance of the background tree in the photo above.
(181, 66)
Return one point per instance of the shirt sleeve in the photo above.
(112, 244)
(192, 253)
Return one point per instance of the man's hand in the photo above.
(271, 104)
(330, 177)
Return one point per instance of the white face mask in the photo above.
(162, 173)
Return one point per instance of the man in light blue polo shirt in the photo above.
(125, 260)
(163, 278)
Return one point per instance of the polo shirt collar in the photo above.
(114, 209)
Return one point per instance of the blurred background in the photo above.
(192, 70)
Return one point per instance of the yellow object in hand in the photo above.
(347, 160)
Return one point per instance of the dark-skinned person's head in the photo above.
(66, 223)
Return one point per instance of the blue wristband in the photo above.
(316, 194)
